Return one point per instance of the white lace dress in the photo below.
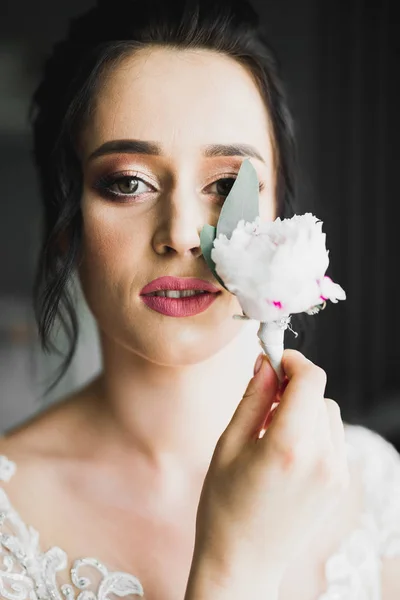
(28, 571)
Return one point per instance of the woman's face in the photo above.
(144, 204)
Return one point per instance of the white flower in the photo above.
(276, 268)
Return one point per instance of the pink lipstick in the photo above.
(179, 296)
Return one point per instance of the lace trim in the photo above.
(28, 573)
(382, 489)
(352, 573)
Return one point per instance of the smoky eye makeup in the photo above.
(224, 184)
(122, 186)
(130, 186)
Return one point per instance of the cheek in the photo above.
(112, 246)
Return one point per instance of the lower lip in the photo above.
(180, 307)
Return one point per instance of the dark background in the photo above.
(340, 63)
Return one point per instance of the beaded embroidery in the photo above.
(27, 573)
(352, 573)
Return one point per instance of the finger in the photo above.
(337, 432)
(302, 401)
(252, 409)
(274, 407)
(270, 416)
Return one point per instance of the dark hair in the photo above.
(63, 100)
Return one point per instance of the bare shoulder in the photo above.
(48, 431)
(39, 446)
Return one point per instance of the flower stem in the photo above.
(271, 337)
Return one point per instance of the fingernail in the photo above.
(258, 364)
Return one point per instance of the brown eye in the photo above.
(125, 185)
(224, 186)
(123, 188)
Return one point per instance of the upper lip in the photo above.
(179, 283)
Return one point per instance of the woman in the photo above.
(157, 470)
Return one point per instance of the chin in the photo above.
(190, 345)
(166, 340)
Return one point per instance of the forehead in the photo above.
(182, 99)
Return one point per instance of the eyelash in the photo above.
(103, 186)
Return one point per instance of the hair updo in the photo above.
(63, 100)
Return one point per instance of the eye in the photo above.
(223, 186)
(122, 187)
(125, 185)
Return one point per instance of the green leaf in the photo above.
(242, 202)
(207, 237)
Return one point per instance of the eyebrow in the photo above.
(153, 149)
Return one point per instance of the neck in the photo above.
(179, 417)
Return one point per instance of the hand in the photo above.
(263, 497)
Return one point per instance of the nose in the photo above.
(179, 222)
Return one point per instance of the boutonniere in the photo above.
(275, 268)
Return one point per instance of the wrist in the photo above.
(211, 579)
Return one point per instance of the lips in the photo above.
(179, 307)
(179, 283)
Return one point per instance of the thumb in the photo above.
(253, 409)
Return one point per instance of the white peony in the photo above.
(276, 268)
